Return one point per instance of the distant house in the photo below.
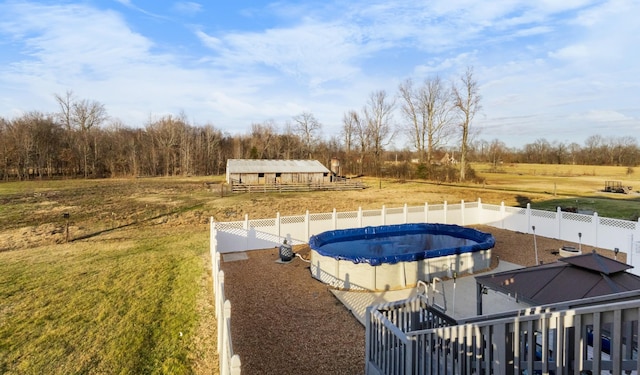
(256, 172)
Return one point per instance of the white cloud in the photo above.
(188, 8)
(544, 67)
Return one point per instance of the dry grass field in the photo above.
(127, 288)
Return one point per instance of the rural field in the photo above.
(114, 276)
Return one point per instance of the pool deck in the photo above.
(460, 296)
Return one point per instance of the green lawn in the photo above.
(125, 304)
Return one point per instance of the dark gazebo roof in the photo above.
(571, 278)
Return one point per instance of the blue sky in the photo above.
(559, 70)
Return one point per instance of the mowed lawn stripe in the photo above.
(100, 307)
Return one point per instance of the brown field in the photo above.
(139, 216)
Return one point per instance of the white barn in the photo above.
(255, 172)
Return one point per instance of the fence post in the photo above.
(444, 212)
(235, 365)
(426, 212)
(528, 231)
(559, 225)
(596, 226)
(462, 212)
(307, 231)
(502, 215)
(212, 237)
(278, 225)
(359, 217)
(334, 218)
(226, 348)
(406, 214)
(480, 217)
(219, 312)
(216, 277)
(383, 215)
(245, 226)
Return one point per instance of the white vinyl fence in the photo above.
(229, 362)
(587, 230)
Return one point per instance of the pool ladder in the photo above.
(433, 292)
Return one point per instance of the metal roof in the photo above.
(571, 278)
(275, 166)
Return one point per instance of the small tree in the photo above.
(466, 100)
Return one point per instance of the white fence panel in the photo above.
(455, 214)
(546, 223)
(319, 223)
(615, 233)
(231, 237)
(416, 214)
(294, 228)
(372, 218)
(436, 214)
(472, 213)
(491, 214)
(394, 216)
(346, 220)
(577, 228)
(516, 219)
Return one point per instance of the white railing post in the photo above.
(480, 211)
(406, 214)
(502, 215)
(462, 212)
(383, 215)
(359, 217)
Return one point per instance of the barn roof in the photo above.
(275, 166)
(572, 278)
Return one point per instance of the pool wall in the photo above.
(347, 274)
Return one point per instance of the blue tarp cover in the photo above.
(399, 243)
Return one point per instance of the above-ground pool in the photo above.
(397, 256)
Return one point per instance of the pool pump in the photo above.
(286, 252)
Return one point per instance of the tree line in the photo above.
(80, 140)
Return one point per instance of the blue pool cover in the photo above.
(399, 243)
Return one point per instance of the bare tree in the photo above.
(378, 115)
(263, 139)
(427, 110)
(466, 100)
(81, 117)
(307, 127)
(349, 133)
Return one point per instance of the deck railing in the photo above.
(549, 339)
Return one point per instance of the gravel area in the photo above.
(286, 322)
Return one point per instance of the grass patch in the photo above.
(121, 306)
